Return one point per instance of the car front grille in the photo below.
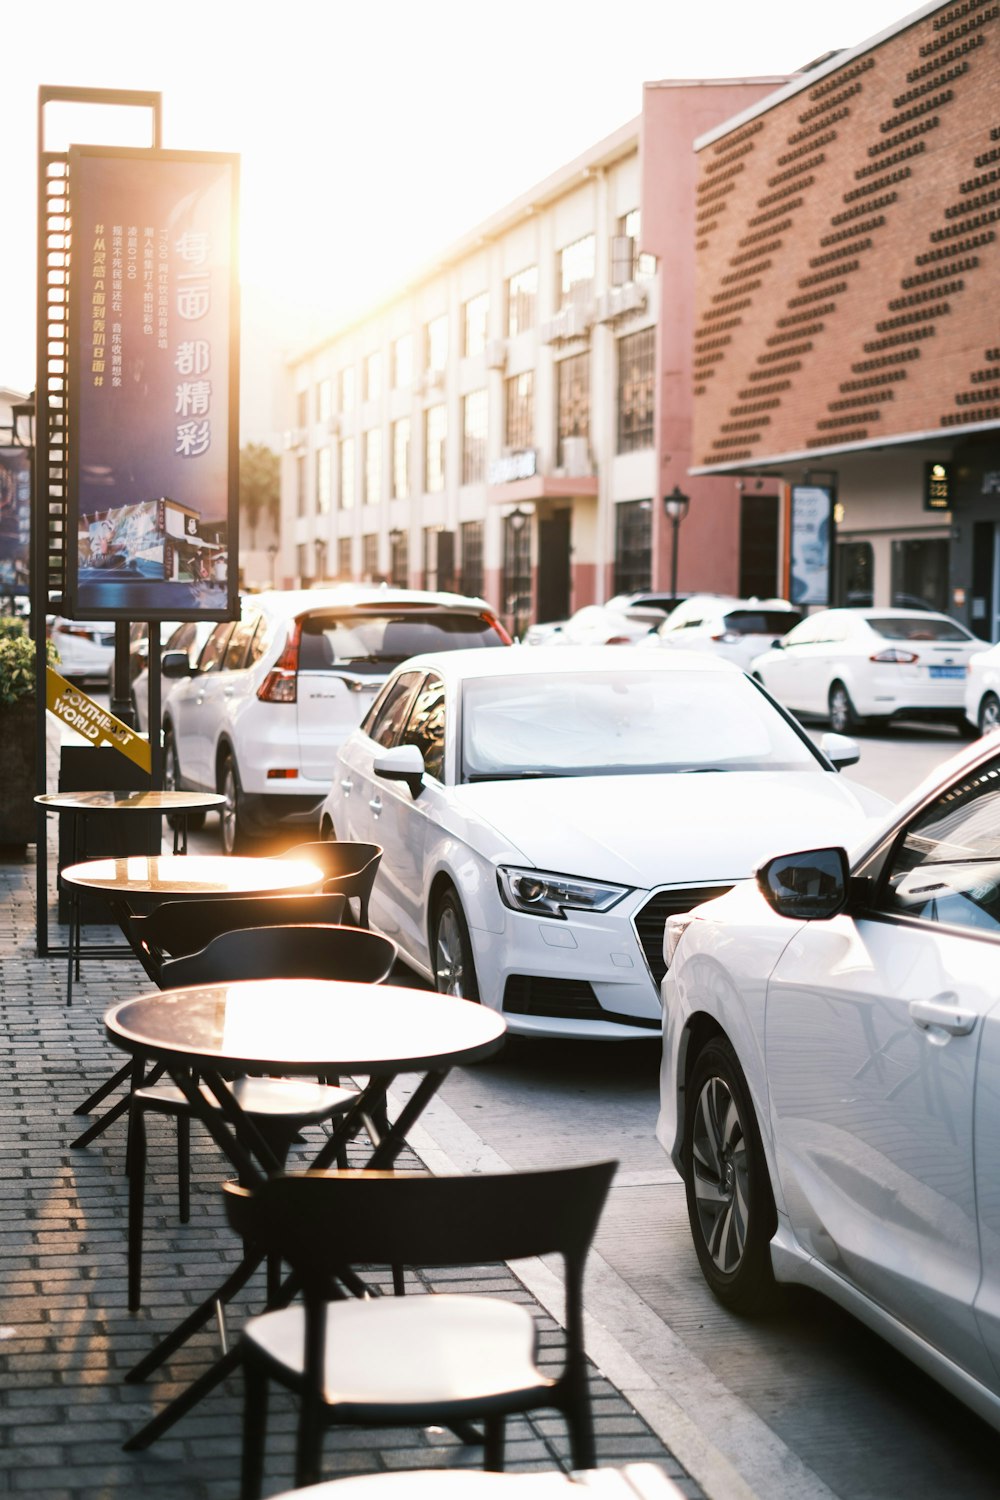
(567, 999)
(650, 920)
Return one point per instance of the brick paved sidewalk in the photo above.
(67, 1338)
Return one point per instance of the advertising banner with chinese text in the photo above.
(154, 385)
(812, 544)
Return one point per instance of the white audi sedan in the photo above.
(830, 1087)
(542, 809)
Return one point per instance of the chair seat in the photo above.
(274, 1098)
(400, 1354)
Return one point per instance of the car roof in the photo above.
(885, 612)
(288, 602)
(556, 661)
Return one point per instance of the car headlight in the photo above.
(546, 895)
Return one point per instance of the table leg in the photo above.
(184, 1402)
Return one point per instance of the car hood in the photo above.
(661, 829)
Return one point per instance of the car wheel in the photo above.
(729, 1198)
(234, 835)
(172, 783)
(843, 716)
(989, 713)
(451, 950)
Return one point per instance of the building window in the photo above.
(439, 558)
(373, 376)
(319, 555)
(369, 557)
(636, 360)
(920, 574)
(373, 466)
(347, 474)
(344, 566)
(324, 480)
(476, 324)
(522, 292)
(855, 574)
(402, 362)
(516, 580)
(628, 263)
(347, 389)
(519, 413)
(435, 433)
(302, 561)
(474, 419)
(399, 558)
(437, 343)
(302, 409)
(576, 272)
(300, 485)
(471, 577)
(574, 401)
(633, 546)
(401, 459)
(324, 400)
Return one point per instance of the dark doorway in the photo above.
(758, 546)
(553, 566)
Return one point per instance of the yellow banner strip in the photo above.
(71, 706)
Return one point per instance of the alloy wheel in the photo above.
(721, 1175)
(989, 714)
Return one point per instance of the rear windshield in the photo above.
(762, 621)
(911, 628)
(374, 642)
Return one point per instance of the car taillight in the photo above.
(618, 640)
(728, 637)
(895, 655)
(281, 685)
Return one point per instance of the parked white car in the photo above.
(86, 649)
(258, 717)
(857, 666)
(982, 690)
(735, 629)
(830, 1087)
(540, 820)
(598, 625)
(189, 637)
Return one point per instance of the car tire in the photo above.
(729, 1198)
(451, 950)
(172, 783)
(843, 715)
(232, 826)
(989, 713)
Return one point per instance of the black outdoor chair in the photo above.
(280, 1107)
(349, 867)
(436, 1358)
(176, 928)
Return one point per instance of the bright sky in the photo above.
(372, 135)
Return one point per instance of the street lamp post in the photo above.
(675, 507)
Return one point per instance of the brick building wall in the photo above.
(848, 252)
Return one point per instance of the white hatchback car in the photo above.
(858, 665)
(982, 690)
(830, 1087)
(86, 649)
(540, 819)
(260, 714)
(735, 629)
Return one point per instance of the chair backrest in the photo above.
(175, 928)
(349, 867)
(288, 952)
(318, 1221)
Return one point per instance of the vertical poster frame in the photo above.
(167, 522)
(812, 543)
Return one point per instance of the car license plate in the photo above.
(947, 671)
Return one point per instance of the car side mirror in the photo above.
(777, 644)
(176, 664)
(811, 886)
(840, 750)
(401, 763)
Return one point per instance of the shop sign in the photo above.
(812, 527)
(523, 465)
(937, 486)
(72, 707)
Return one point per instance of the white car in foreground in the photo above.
(830, 1087)
(857, 666)
(540, 818)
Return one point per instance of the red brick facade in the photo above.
(848, 247)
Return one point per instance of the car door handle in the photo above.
(940, 1016)
(346, 786)
(375, 803)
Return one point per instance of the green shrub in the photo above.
(17, 664)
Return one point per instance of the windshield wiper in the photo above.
(527, 775)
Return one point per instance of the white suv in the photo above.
(259, 715)
(736, 629)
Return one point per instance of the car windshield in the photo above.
(621, 723)
(761, 621)
(369, 642)
(910, 628)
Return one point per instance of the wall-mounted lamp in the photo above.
(517, 518)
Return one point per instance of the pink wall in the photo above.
(673, 116)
